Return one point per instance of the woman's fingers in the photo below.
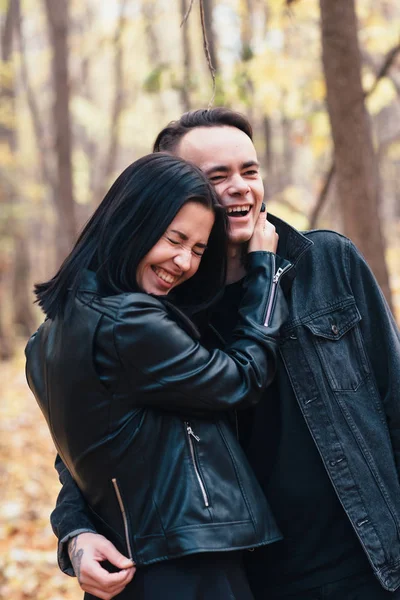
(264, 236)
(87, 551)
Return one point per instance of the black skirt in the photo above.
(204, 576)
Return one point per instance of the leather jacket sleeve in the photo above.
(187, 373)
(382, 342)
(167, 368)
(70, 517)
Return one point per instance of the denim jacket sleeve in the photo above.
(382, 340)
(70, 517)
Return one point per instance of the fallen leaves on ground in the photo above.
(28, 490)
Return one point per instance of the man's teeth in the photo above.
(238, 209)
(164, 275)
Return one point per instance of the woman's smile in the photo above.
(177, 254)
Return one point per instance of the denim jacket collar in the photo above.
(292, 244)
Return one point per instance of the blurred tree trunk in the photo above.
(58, 23)
(355, 161)
(6, 183)
(187, 59)
(157, 64)
(117, 106)
(15, 270)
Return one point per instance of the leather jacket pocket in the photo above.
(338, 342)
(192, 440)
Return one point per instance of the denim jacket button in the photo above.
(335, 329)
(293, 336)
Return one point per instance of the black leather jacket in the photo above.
(137, 410)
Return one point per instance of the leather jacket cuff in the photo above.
(263, 294)
(64, 561)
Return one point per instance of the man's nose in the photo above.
(183, 259)
(238, 185)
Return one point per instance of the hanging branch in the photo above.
(206, 46)
(208, 55)
(185, 18)
(321, 200)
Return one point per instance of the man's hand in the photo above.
(86, 551)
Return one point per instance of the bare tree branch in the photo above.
(206, 46)
(186, 16)
(207, 54)
(383, 71)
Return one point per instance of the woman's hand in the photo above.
(264, 235)
(87, 551)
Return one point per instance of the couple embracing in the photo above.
(222, 390)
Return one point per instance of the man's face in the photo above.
(228, 158)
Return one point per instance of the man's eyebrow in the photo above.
(185, 238)
(222, 168)
(225, 169)
(250, 163)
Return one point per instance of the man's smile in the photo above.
(238, 211)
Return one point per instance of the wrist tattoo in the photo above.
(75, 555)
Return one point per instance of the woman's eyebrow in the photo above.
(185, 238)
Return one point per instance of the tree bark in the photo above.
(58, 23)
(355, 161)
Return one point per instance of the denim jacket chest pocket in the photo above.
(338, 341)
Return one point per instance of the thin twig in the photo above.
(185, 18)
(208, 56)
(387, 63)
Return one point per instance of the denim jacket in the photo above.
(341, 350)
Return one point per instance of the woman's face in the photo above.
(177, 254)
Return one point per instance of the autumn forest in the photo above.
(85, 86)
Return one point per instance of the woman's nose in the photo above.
(183, 259)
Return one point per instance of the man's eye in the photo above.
(251, 172)
(216, 178)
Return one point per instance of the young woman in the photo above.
(137, 407)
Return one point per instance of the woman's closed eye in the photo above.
(196, 251)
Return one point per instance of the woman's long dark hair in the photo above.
(130, 220)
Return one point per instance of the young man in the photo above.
(325, 442)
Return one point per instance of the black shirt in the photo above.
(319, 545)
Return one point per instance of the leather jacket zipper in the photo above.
(191, 434)
(124, 517)
(274, 287)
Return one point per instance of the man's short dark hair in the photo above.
(169, 137)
